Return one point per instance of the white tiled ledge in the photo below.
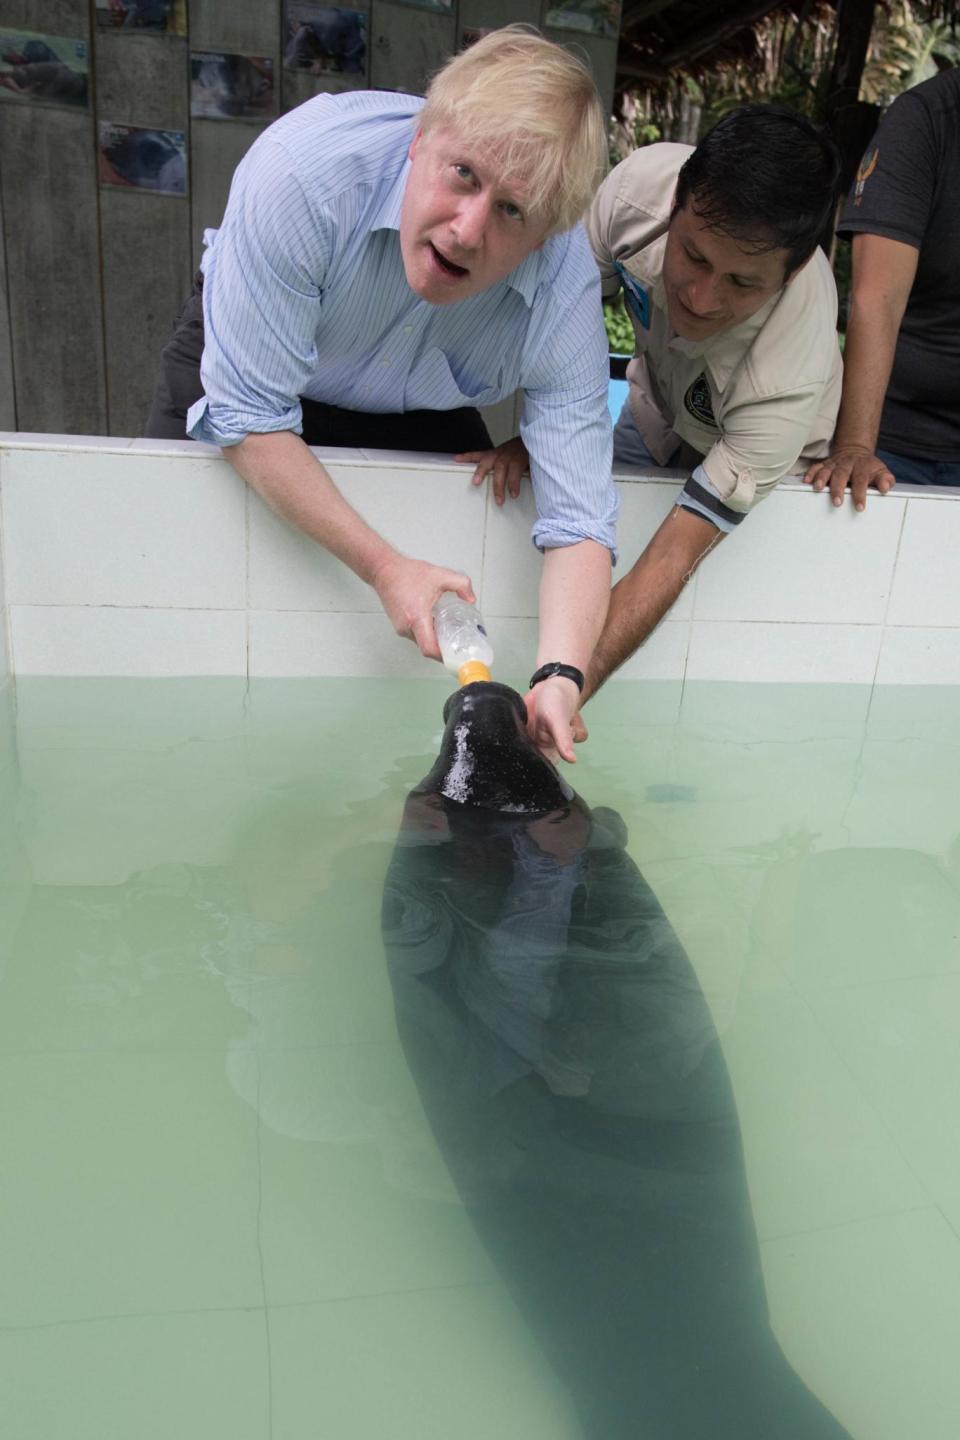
(145, 557)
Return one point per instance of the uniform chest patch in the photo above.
(697, 402)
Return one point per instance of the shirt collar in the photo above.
(524, 279)
(387, 216)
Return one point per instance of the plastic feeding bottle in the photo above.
(463, 642)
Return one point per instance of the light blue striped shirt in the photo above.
(305, 294)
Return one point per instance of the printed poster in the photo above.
(231, 87)
(325, 39)
(134, 157)
(48, 69)
(590, 17)
(155, 15)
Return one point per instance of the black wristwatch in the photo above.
(569, 672)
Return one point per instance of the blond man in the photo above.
(386, 265)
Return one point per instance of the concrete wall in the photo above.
(91, 277)
(146, 558)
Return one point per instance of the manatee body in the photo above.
(571, 1073)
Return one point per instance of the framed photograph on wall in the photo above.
(133, 157)
(47, 69)
(590, 17)
(440, 7)
(156, 15)
(325, 39)
(231, 87)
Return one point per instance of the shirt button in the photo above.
(407, 329)
(385, 360)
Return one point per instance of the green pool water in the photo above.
(226, 1207)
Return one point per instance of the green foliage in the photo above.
(791, 65)
(619, 329)
(903, 45)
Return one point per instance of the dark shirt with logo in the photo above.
(908, 189)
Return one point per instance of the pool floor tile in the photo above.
(949, 1207)
(97, 968)
(869, 1315)
(818, 1153)
(356, 1198)
(152, 1377)
(432, 1365)
(901, 1039)
(130, 1187)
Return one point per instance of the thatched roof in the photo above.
(660, 37)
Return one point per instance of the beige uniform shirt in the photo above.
(758, 400)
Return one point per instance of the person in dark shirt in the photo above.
(900, 413)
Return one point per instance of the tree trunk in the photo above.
(850, 121)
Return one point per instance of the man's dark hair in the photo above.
(766, 177)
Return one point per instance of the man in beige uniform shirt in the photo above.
(737, 372)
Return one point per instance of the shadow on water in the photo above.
(571, 1073)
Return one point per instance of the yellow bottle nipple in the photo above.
(472, 671)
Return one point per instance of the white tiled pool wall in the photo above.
(151, 558)
(6, 686)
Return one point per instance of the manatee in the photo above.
(573, 1079)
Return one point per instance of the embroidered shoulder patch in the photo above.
(867, 166)
(697, 402)
(638, 299)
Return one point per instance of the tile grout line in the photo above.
(7, 1329)
(865, 1096)
(366, 1295)
(483, 557)
(951, 1226)
(778, 1239)
(884, 625)
(858, 766)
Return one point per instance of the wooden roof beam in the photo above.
(637, 70)
(634, 15)
(706, 39)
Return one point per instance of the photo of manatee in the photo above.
(574, 1081)
(45, 68)
(168, 15)
(133, 157)
(444, 7)
(592, 17)
(325, 39)
(231, 87)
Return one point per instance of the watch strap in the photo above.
(553, 667)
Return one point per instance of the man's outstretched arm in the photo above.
(292, 481)
(574, 591)
(640, 600)
(883, 274)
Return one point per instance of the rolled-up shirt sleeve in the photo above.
(565, 423)
(761, 442)
(262, 301)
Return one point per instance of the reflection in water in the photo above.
(568, 1064)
